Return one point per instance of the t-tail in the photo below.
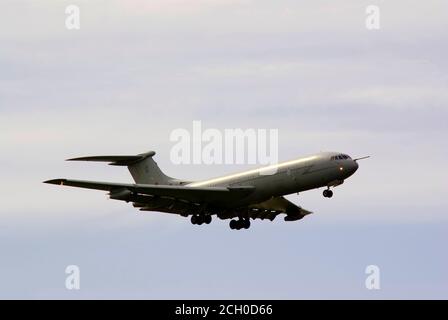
(143, 168)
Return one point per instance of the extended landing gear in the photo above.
(239, 224)
(200, 219)
(328, 193)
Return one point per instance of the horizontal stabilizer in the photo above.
(117, 160)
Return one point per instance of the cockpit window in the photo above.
(340, 157)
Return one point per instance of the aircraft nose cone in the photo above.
(355, 166)
(350, 168)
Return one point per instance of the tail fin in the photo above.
(143, 168)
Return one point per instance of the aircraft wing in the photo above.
(189, 194)
(271, 208)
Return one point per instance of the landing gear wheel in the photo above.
(208, 219)
(239, 224)
(328, 193)
(197, 219)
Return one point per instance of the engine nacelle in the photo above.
(122, 194)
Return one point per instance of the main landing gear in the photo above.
(200, 219)
(240, 224)
(328, 193)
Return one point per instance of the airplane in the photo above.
(253, 194)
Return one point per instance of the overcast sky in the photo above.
(137, 70)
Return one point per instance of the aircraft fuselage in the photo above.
(253, 194)
(316, 171)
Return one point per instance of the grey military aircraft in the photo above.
(256, 194)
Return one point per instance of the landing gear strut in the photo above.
(239, 224)
(328, 193)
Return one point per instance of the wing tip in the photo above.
(78, 159)
(56, 181)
